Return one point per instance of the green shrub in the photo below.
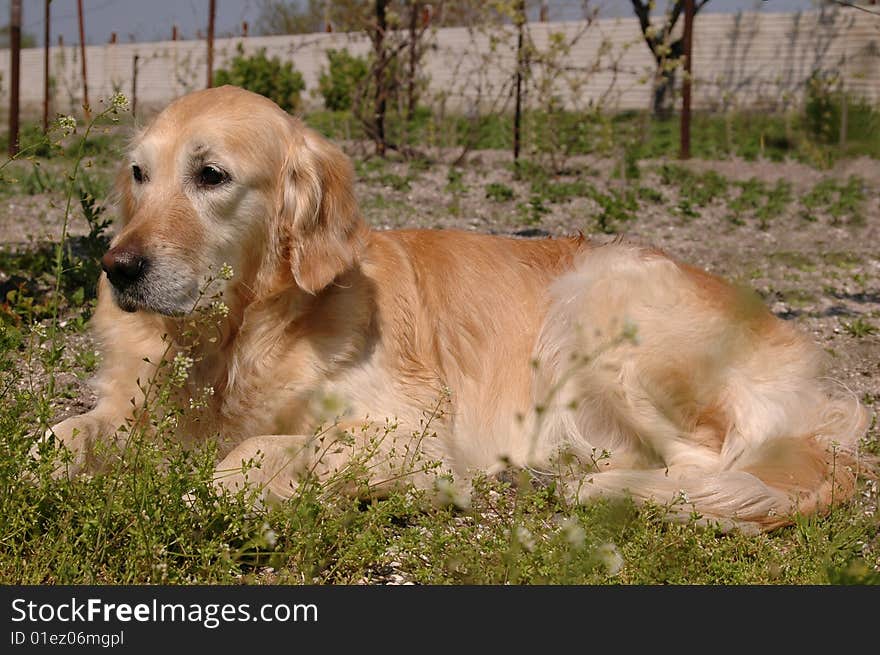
(341, 80)
(279, 81)
(822, 108)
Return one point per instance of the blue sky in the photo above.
(151, 20)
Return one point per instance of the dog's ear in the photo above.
(319, 216)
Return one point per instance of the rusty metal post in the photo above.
(520, 63)
(686, 83)
(212, 13)
(134, 85)
(380, 72)
(46, 38)
(15, 74)
(82, 50)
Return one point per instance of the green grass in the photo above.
(746, 135)
(104, 144)
(149, 522)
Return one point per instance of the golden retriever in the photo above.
(614, 367)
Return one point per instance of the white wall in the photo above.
(743, 60)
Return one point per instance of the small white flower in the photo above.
(611, 558)
(180, 367)
(269, 536)
(574, 532)
(66, 124)
(219, 309)
(525, 538)
(202, 401)
(226, 272)
(449, 493)
(119, 102)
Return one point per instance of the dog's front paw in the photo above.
(78, 435)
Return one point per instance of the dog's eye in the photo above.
(137, 174)
(210, 176)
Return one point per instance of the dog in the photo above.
(613, 368)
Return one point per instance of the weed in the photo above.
(531, 213)
(650, 194)
(499, 192)
(631, 170)
(366, 167)
(686, 210)
(859, 328)
(694, 189)
(792, 259)
(842, 259)
(394, 181)
(455, 181)
(776, 201)
(838, 200)
(617, 206)
(757, 199)
(530, 171)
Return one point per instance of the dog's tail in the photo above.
(765, 486)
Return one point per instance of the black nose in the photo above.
(123, 265)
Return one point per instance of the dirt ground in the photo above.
(822, 274)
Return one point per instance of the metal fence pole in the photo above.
(686, 83)
(15, 73)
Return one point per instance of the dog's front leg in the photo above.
(133, 345)
(355, 458)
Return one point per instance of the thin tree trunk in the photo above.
(413, 60)
(517, 112)
(381, 64)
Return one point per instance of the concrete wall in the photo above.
(744, 60)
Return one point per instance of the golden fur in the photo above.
(614, 368)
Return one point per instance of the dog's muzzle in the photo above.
(125, 268)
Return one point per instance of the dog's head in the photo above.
(224, 176)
